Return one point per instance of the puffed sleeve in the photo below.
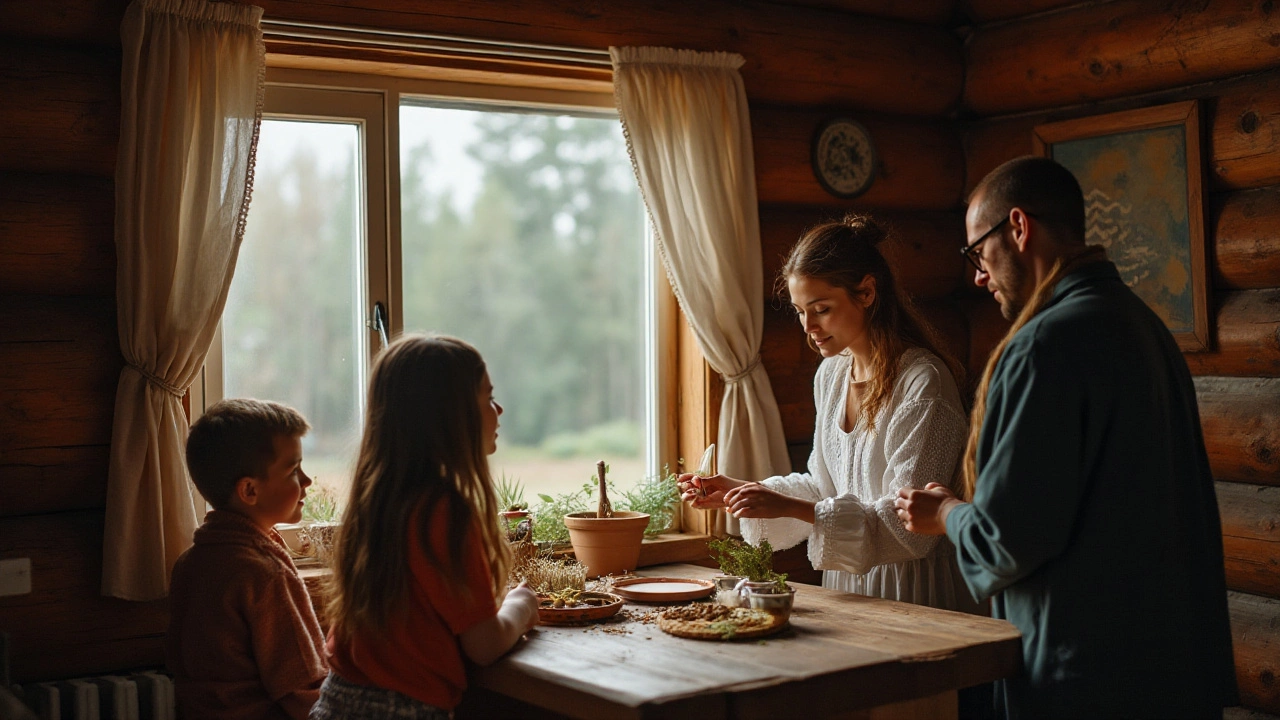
(923, 436)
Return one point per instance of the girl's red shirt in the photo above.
(420, 654)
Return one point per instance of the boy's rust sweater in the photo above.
(243, 639)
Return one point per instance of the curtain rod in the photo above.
(407, 40)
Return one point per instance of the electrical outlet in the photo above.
(15, 576)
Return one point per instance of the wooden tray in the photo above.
(662, 589)
(550, 615)
(717, 622)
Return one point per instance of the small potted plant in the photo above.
(747, 569)
(606, 541)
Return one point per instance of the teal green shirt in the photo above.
(1094, 526)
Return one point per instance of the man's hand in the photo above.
(925, 511)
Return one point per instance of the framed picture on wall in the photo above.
(1143, 183)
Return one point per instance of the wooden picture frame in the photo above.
(1142, 175)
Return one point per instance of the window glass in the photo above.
(293, 328)
(524, 234)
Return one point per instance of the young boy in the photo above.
(243, 639)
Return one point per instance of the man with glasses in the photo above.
(1093, 525)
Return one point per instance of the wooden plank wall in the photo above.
(1074, 60)
(893, 65)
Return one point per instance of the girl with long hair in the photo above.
(420, 564)
(888, 416)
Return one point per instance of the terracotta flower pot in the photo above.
(607, 546)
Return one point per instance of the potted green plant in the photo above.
(749, 570)
(657, 496)
(606, 541)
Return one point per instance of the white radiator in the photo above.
(140, 696)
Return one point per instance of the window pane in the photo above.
(524, 234)
(292, 329)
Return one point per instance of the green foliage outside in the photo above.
(754, 562)
(616, 437)
(543, 275)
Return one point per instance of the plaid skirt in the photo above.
(344, 700)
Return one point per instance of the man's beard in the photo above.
(1011, 299)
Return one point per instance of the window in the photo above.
(511, 220)
(523, 232)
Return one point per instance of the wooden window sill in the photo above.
(661, 550)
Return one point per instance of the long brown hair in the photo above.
(842, 254)
(1043, 292)
(421, 450)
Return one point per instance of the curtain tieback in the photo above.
(730, 379)
(158, 381)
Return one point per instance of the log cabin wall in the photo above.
(1071, 60)
(892, 65)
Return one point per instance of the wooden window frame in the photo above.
(687, 397)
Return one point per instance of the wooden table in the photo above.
(845, 655)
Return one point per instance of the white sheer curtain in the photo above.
(685, 117)
(191, 104)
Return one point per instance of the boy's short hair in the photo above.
(235, 438)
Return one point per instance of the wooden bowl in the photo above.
(593, 606)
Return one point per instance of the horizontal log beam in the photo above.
(920, 248)
(931, 12)
(794, 55)
(1244, 713)
(1241, 422)
(921, 161)
(97, 22)
(1255, 637)
(981, 12)
(57, 235)
(1242, 118)
(79, 22)
(1246, 332)
(1245, 250)
(62, 113)
(53, 479)
(1251, 537)
(1107, 50)
(59, 365)
(63, 627)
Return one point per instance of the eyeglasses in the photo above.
(970, 251)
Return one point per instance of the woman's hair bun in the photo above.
(865, 227)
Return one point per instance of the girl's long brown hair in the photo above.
(843, 254)
(1043, 291)
(421, 450)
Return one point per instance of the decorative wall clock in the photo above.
(844, 157)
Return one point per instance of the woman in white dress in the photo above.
(888, 416)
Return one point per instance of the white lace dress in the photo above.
(854, 477)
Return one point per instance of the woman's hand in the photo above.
(706, 492)
(753, 500)
(925, 511)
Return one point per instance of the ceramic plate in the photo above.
(597, 606)
(662, 589)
